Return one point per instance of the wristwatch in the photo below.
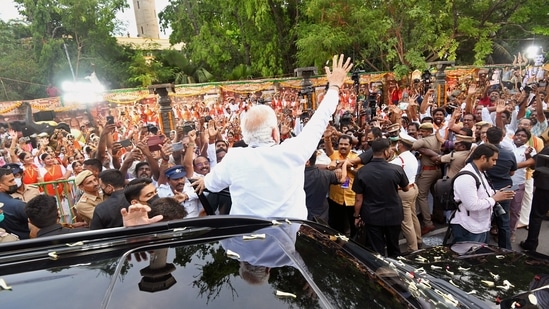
(356, 216)
(337, 161)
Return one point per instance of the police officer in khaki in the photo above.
(411, 229)
(24, 192)
(429, 147)
(89, 184)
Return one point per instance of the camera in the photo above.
(188, 126)
(498, 210)
(346, 119)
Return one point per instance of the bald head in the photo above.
(259, 125)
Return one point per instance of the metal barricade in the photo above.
(66, 193)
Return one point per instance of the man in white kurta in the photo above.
(266, 178)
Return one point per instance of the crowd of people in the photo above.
(353, 168)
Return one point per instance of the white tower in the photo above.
(146, 19)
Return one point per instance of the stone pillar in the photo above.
(167, 119)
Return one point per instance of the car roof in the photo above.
(218, 261)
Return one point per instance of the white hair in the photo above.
(254, 275)
(258, 124)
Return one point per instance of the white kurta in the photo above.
(267, 180)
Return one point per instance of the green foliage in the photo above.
(226, 34)
(18, 67)
(85, 27)
(243, 39)
(146, 70)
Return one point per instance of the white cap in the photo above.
(405, 138)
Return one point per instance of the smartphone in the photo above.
(110, 120)
(506, 189)
(177, 146)
(155, 142)
(125, 143)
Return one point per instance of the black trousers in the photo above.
(540, 206)
(341, 218)
(380, 237)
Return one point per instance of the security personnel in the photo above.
(180, 188)
(24, 193)
(411, 229)
(88, 183)
(429, 146)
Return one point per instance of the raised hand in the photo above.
(500, 106)
(472, 89)
(336, 76)
(137, 214)
(192, 136)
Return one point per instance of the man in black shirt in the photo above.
(107, 213)
(317, 185)
(500, 177)
(377, 202)
(540, 206)
(43, 214)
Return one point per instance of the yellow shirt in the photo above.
(339, 194)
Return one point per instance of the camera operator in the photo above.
(471, 222)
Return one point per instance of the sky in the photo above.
(8, 11)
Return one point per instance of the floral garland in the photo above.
(11, 107)
(124, 99)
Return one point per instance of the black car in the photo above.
(245, 262)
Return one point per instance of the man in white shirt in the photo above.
(266, 178)
(411, 229)
(472, 219)
(180, 188)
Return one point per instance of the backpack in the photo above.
(443, 195)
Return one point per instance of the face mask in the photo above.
(152, 199)
(18, 182)
(11, 189)
(393, 138)
(105, 193)
(1, 217)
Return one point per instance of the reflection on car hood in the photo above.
(283, 265)
(498, 276)
(245, 262)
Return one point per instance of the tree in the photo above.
(272, 37)
(83, 27)
(185, 71)
(18, 67)
(227, 34)
(404, 35)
